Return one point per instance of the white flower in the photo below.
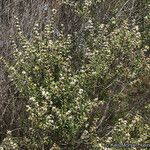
(94, 73)
(54, 109)
(85, 134)
(127, 135)
(73, 82)
(44, 93)
(9, 132)
(80, 91)
(54, 11)
(32, 98)
(70, 117)
(96, 99)
(49, 120)
(28, 108)
(136, 28)
(137, 118)
(109, 138)
(23, 72)
(12, 68)
(68, 112)
(102, 26)
(50, 102)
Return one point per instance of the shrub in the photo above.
(80, 98)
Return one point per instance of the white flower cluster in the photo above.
(88, 2)
(80, 91)
(45, 93)
(73, 81)
(8, 142)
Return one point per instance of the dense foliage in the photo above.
(82, 90)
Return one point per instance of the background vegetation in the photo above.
(74, 74)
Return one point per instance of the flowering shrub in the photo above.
(9, 142)
(79, 98)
